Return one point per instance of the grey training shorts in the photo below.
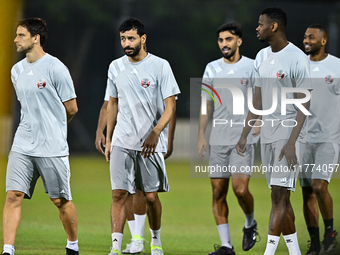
(130, 170)
(320, 160)
(224, 161)
(23, 172)
(278, 172)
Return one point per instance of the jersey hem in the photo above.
(173, 94)
(323, 141)
(39, 155)
(134, 149)
(69, 98)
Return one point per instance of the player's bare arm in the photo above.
(100, 137)
(289, 149)
(150, 143)
(257, 103)
(171, 136)
(203, 122)
(111, 116)
(71, 108)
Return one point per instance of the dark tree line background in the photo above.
(84, 35)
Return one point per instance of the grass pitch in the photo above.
(188, 226)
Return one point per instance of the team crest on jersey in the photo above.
(145, 83)
(41, 84)
(329, 79)
(280, 74)
(244, 81)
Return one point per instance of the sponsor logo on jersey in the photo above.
(41, 84)
(30, 73)
(329, 79)
(145, 83)
(280, 74)
(244, 81)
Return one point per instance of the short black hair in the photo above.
(277, 15)
(132, 23)
(36, 26)
(234, 28)
(321, 28)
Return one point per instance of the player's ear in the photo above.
(37, 39)
(323, 41)
(143, 38)
(274, 26)
(239, 42)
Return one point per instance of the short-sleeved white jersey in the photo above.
(42, 87)
(141, 89)
(284, 69)
(107, 91)
(238, 74)
(324, 123)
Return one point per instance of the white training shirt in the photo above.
(238, 74)
(42, 87)
(324, 123)
(141, 89)
(287, 68)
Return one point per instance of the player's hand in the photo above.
(149, 145)
(170, 149)
(289, 152)
(201, 145)
(100, 142)
(241, 146)
(257, 128)
(108, 151)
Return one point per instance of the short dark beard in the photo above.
(229, 55)
(26, 50)
(312, 52)
(135, 50)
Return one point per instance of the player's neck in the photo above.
(141, 55)
(34, 55)
(233, 59)
(318, 56)
(278, 43)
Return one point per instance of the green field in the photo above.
(188, 226)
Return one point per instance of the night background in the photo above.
(84, 36)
